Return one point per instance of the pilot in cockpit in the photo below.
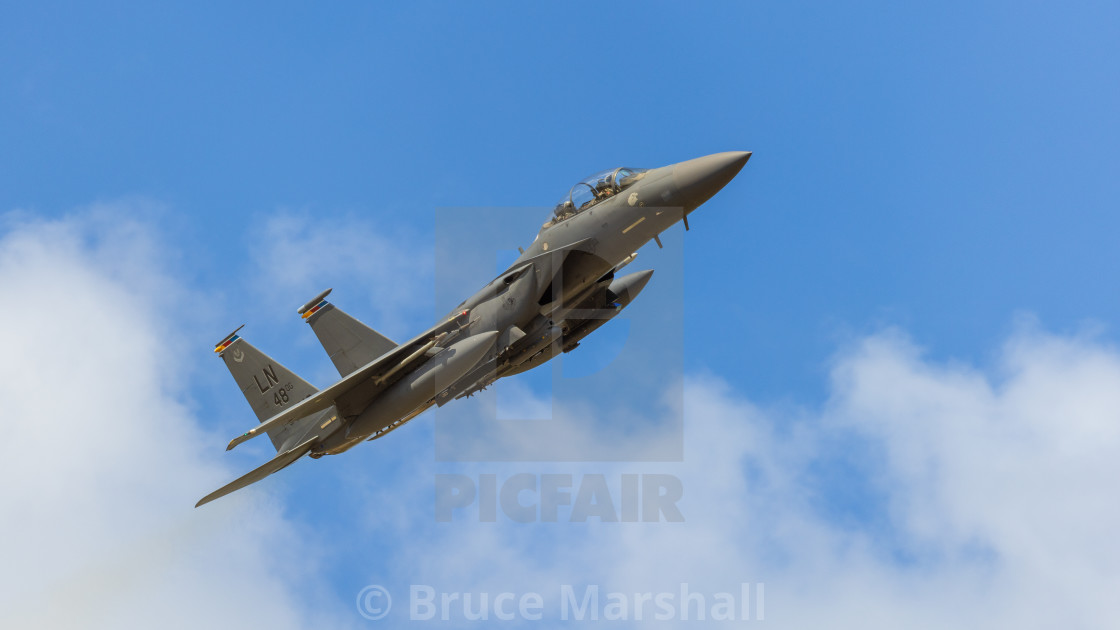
(591, 190)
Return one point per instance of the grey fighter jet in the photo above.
(562, 287)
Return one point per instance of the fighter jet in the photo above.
(560, 289)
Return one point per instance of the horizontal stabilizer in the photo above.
(276, 463)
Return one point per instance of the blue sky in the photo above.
(940, 167)
(932, 188)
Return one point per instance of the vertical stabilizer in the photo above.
(349, 343)
(268, 386)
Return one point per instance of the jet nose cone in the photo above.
(697, 180)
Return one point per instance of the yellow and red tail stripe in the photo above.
(228, 341)
(314, 309)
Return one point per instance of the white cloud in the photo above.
(983, 496)
(988, 498)
(388, 272)
(104, 462)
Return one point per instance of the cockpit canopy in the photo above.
(595, 188)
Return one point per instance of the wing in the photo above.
(375, 375)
